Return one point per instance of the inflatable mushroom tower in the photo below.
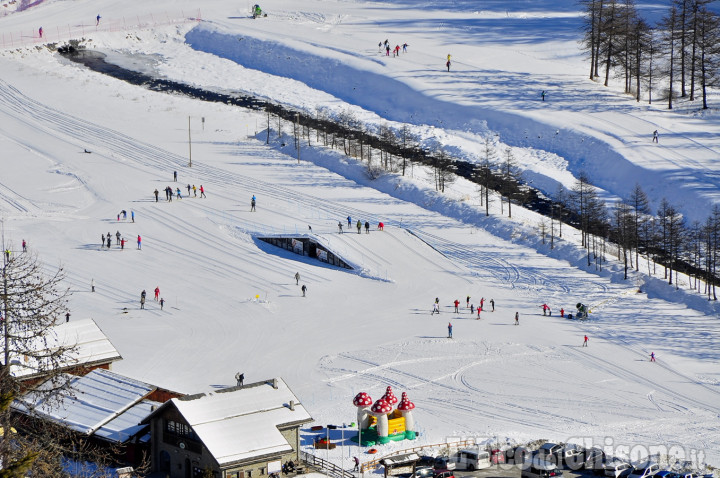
(389, 424)
(363, 402)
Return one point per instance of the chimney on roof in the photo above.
(291, 405)
(274, 383)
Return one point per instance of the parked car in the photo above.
(548, 452)
(444, 474)
(666, 474)
(472, 459)
(646, 471)
(425, 461)
(571, 456)
(539, 468)
(617, 469)
(423, 472)
(516, 455)
(444, 463)
(595, 460)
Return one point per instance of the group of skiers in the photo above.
(106, 240)
(123, 213)
(158, 299)
(169, 193)
(468, 305)
(359, 225)
(297, 282)
(396, 51)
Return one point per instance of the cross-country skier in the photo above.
(457, 303)
(450, 330)
(517, 318)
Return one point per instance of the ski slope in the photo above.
(231, 304)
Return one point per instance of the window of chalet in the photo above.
(180, 429)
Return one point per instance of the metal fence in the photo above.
(331, 469)
(60, 33)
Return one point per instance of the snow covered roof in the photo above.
(101, 402)
(127, 424)
(92, 346)
(240, 423)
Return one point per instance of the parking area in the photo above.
(513, 471)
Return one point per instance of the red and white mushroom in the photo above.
(390, 396)
(406, 407)
(380, 409)
(363, 401)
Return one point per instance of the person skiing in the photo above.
(24, 245)
(482, 302)
(102, 241)
(97, 20)
(340, 227)
(122, 243)
(175, 176)
(162, 303)
(109, 241)
(171, 193)
(585, 342)
(367, 227)
(92, 285)
(381, 226)
(202, 192)
(139, 242)
(405, 45)
(436, 309)
(359, 226)
(448, 64)
(450, 330)
(562, 312)
(303, 289)
(252, 203)
(157, 292)
(67, 316)
(156, 194)
(189, 188)
(194, 191)
(297, 278)
(479, 309)
(240, 377)
(655, 136)
(117, 238)
(132, 216)
(396, 52)
(467, 302)
(472, 309)
(652, 356)
(517, 318)
(492, 304)
(179, 195)
(40, 32)
(357, 463)
(542, 95)
(545, 308)
(349, 222)
(142, 301)
(387, 49)
(457, 303)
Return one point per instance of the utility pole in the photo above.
(297, 135)
(189, 143)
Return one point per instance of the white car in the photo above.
(645, 471)
(617, 469)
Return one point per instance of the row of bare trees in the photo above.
(632, 229)
(682, 50)
(629, 227)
